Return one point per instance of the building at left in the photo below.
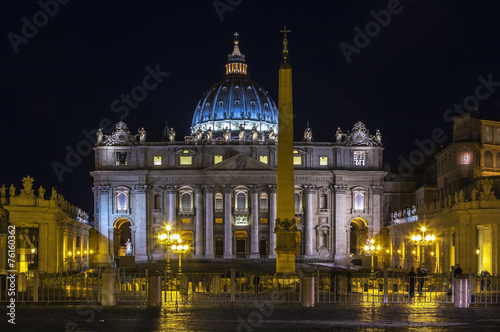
(51, 234)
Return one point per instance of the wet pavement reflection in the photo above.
(263, 316)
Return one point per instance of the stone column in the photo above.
(310, 190)
(140, 250)
(43, 248)
(172, 210)
(480, 229)
(339, 191)
(104, 205)
(209, 222)
(133, 230)
(376, 209)
(487, 249)
(228, 229)
(199, 222)
(254, 247)
(272, 221)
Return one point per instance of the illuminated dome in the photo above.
(235, 101)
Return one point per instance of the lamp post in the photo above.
(168, 240)
(180, 249)
(422, 240)
(371, 249)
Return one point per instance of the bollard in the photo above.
(460, 295)
(154, 291)
(307, 292)
(108, 293)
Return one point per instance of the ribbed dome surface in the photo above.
(235, 101)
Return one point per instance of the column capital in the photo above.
(339, 188)
(378, 190)
(140, 188)
(228, 189)
(104, 189)
(170, 189)
(310, 188)
(198, 189)
(254, 189)
(272, 188)
(209, 189)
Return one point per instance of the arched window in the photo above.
(219, 202)
(488, 159)
(122, 200)
(241, 199)
(297, 202)
(186, 202)
(359, 202)
(263, 202)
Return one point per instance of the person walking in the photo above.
(411, 283)
(452, 276)
(421, 279)
(458, 270)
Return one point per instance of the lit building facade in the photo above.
(51, 234)
(217, 187)
(462, 210)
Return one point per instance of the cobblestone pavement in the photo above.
(258, 317)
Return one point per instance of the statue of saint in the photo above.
(130, 248)
(255, 134)
(209, 135)
(473, 194)
(461, 196)
(100, 136)
(378, 136)
(271, 134)
(171, 135)
(41, 193)
(3, 191)
(456, 197)
(227, 135)
(142, 135)
(308, 135)
(242, 133)
(12, 191)
(338, 135)
(199, 135)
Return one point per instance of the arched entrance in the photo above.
(241, 244)
(121, 234)
(358, 236)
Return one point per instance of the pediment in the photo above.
(240, 162)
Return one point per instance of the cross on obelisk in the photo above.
(236, 34)
(285, 44)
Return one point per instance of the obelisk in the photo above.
(285, 223)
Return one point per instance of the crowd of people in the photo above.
(420, 277)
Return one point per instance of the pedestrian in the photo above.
(412, 276)
(421, 279)
(458, 270)
(452, 276)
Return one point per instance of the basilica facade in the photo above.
(217, 186)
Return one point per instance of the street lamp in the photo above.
(180, 249)
(422, 240)
(168, 240)
(370, 248)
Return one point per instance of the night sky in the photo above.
(60, 81)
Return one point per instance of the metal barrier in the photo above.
(132, 287)
(484, 289)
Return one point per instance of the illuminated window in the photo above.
(263, 220)
(263, 159)
(121, 159)
(218, 159)
(186, 160)
(186, 202)
(241, 199)
(263, 202)
(297, 160)
(185, 151)
(359, 202)
(323, 161)
(359, 158)
(218, 220)
(122, 199)
(157, 160)
(464, 158)
(297, 201)
(186, 220)
(218, 202)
